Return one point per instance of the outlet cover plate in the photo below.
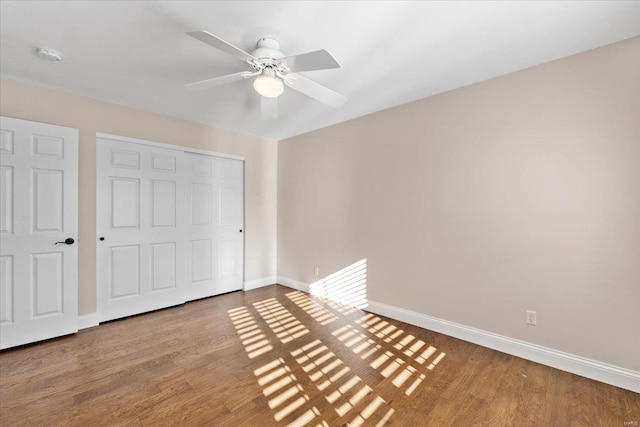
(532, 318)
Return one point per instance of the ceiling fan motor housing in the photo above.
(268, 49)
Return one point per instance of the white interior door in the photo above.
(229, 224)
(141, 227)
(215, 222)
(201, 206)
(38, 207)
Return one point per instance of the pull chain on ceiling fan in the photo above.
(272, 70)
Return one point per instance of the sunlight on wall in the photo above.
(347, 286)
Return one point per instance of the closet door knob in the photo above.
(241, 230)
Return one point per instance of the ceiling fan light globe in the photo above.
(270, 87)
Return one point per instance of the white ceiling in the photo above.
(136, 53)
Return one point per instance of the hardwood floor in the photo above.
(275, 356)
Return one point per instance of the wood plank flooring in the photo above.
(275, 356)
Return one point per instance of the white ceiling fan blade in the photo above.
(318, 60)
(315, 90)
(211, 40)
(216, 81)
(269, 108)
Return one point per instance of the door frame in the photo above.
(184, 149)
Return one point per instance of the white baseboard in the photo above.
(259, 283)
(616, 376)
(293, 284)
(619, 377)
(91, 320)
(88, 321)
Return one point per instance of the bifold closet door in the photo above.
(38, 231)
(215, 225)
(141, 226)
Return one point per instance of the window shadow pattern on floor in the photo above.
(323, 370)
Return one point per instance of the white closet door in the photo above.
(201, 206)
(230, 224)
(215, 221)
(141, 219)
(38, 207)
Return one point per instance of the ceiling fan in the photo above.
(272, 70)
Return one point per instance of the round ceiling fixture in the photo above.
(49, 54)
(267, 84)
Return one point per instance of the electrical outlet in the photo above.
(316, 271)
(531, 318)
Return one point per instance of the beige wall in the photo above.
(522, 192)
(29, 102)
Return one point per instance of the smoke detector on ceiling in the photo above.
(49, 54)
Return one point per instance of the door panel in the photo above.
(46, 282)
(163, 195)
(125, 159)
(202, 261)
(125, 271)
(47, 200)
(125, 202)
(163, 163)
(48, 147)
(6, 289)
(6, 200)
(163, 265)
(141, 259)
(6, 141)
(201, 199)
(227, 257)
(230, 213)
(39, 207)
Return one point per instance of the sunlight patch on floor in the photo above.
(331, 376)
(313, 309)
(282, 389)
(399, 353)
(398, 357)
(283, 324)
(251, 335)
